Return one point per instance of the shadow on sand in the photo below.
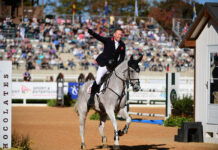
(136, 147)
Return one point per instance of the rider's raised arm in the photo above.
(97, 36)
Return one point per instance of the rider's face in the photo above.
(117, 35)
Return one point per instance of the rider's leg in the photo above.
(95, 87)
(100, 73)
(93, 91)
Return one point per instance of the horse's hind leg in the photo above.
(82, 119)
(103, 118)
(123, 113)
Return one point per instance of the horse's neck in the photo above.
(121, 69)
(117, 80)
(116, 83)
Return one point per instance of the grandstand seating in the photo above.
(38, 47)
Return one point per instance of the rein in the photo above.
(129, 79)
(123, 92)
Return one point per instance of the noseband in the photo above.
(138, 82)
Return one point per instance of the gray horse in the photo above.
(110, 100)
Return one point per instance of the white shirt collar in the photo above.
(116, 44)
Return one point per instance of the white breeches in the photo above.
(100, 73)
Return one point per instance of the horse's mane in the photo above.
(117, 69)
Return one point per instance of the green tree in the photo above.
(164, 11)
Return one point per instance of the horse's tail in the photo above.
(76, 108)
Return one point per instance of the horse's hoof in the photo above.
(104, 146)
(104, 142)
(120, 133)
(116, 147)
(83, 147)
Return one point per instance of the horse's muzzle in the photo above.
(136, 87)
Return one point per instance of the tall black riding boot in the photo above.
(94, 89)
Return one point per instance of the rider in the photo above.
(112, 55)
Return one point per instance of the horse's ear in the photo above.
(140, 57)
(131, 58)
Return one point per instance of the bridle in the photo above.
(128, 79)
(138, 82)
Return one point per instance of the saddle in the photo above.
(104, 82)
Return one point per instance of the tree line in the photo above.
(161, 10)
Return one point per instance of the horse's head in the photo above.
(133, 72)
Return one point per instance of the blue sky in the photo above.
(204, 1)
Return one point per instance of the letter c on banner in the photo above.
(74, 90)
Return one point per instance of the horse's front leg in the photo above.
(110, 113)
(123, 113)
(103, 118)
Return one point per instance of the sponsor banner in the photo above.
(154, 89)
(186, 90)
(5, 104)
(73, 89)
(147, 95)
(34, 90)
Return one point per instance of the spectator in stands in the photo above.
(29, 64)
(22, 32)
(86, 64)
(26, 76)
(45, 64)
(184, 30)
(57, 44)
(15, 62)
(1, 35)
(62, 45)
(145, 36)
(71, 64)
(60, 64)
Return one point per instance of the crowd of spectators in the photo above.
(38, 43)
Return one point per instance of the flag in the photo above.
(74, 8)
(194, 13)
(136, 8)
(106, 8)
